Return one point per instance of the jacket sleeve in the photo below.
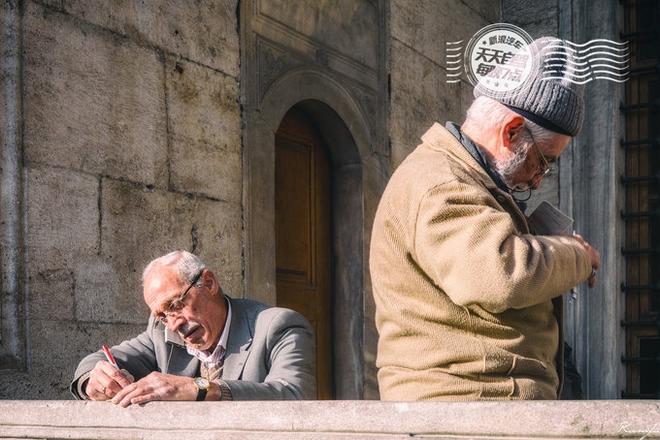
(469, 246)
(135, 355)
(290, 359)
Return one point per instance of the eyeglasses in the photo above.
(177, 304)
(545, 163)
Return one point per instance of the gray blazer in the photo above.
(270, 354)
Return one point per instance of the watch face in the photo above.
(201, 383)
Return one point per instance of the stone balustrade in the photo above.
(330, 419)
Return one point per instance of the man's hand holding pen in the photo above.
(106, 380)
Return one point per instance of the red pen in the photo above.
(109, 356)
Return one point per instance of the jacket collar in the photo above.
(241, 332)
(478, 155)
(440, 139)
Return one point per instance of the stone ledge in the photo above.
(335, 419)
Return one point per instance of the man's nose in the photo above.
(175, 322)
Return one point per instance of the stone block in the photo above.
(420, 97)
(523, 12)
(56, 4)
(217, 240)
(100, 297)
(140, 224)
(205, 32)
(205, 131)
(94, 101)
(51, 295)
(488, 9)
(548, 26)
(467, 98)
(62, 217)
(57, 348)
(426, 25)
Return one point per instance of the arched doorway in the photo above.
(358, 178)
(303, 233)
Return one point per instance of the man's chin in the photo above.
(196, 343)
(201, 344)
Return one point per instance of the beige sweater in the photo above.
(463, 291)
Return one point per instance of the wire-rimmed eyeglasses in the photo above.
(176, 304)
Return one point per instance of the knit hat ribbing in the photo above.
(555, 104)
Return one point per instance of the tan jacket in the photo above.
(463, 291)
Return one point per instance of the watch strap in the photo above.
(201, 391)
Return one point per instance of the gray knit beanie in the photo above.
(555, 104)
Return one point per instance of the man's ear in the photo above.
(210, 281)
(510, 130)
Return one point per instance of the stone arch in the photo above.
(345, 130)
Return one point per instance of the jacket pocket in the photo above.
(524, 366)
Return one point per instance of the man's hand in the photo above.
(157, 386)
(105, 381)
(593, 255)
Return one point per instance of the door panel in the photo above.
(303, 240)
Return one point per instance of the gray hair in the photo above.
(188, 265)
(485, 112)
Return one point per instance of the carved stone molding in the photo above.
(273, 61)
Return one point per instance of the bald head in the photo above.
(176, 268)
(186, 265)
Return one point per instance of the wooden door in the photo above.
(303, 230)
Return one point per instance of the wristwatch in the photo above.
(202, 385)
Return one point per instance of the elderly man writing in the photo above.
(463, 288)
(201, 345)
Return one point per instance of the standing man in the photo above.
(463, 288)
(201, 345)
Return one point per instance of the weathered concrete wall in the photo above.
(419, 93)
(131, 148)
(336, 420)
(586, 187)
(591, 189)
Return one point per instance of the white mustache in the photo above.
(187, 328)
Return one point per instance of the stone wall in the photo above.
(419, 93)
(131, 148)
